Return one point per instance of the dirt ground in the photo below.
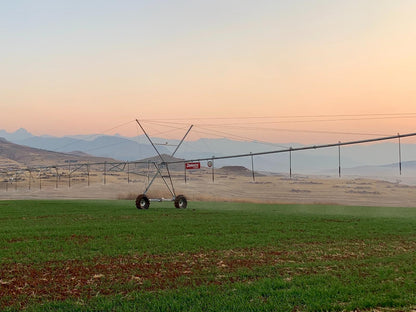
(234, 185)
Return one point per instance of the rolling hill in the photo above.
(15, 155)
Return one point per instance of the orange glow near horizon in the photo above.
(219, 64)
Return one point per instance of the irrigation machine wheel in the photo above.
(142, 202)
(181, 202)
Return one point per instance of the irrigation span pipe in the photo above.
(398, 136)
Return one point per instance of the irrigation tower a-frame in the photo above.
(162, 170)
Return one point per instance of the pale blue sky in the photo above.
(104, 62)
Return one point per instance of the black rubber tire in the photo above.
(181, 202)
(142, 202)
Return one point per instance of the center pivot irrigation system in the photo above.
(180, 201)
(143, 201)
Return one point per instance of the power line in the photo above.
(263, 120)
(91, 136)
(222, 133)
(311, 120)
(392, 115)
(307, 131)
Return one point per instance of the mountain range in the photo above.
(382, 156)
(14, 156)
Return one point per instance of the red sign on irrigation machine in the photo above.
(192, 165)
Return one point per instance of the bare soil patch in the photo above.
(22, 284)
(229, 184)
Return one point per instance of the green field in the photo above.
(109, 256)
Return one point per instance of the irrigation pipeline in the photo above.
(312, 147)
(287, 150)
(76, 166)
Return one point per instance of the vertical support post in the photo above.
(128, 172)
(252, 167)
(213, 170)
(30, 177)
(57, 178)
(400, 155)
(69, 175)
(148, 172)
(40, 179)
(184, 171)
(339, 159)
(88, 174)
(15, 179)
(290, 162)
(105, 172)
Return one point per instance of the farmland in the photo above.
(83, 255)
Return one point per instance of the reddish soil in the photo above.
(60, 280)
(24, 284)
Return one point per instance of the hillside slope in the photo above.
(14, 155)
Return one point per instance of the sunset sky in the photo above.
(309, 71)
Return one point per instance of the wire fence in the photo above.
(71, 174)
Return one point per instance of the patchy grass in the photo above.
(107, 255)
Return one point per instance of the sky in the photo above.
(308, 71)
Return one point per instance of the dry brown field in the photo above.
(235, 184)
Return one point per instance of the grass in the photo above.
(109, 256)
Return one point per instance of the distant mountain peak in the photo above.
(21, 131)
(19, 134)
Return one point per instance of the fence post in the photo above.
(290, 162)
(69, 175)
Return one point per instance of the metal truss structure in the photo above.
(64, 173)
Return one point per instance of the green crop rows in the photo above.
(109, 256)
